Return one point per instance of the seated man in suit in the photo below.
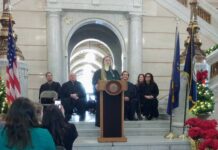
(130, 98)
(73, 96)
(50, 85)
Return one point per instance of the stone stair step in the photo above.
(145, 131)
(133, 143)
(129, 124)
(127, 131)
(131, 128)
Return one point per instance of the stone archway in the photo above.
(103, 31)
(124, 19)
(86, 48)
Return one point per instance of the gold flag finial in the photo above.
(193, 28)
(6, 15)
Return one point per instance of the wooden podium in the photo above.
(112, 110)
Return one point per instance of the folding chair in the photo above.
(48, 95)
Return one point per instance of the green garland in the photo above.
(205, 103)
(3, 100)
(212, 49)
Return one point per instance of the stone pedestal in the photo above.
(23, 74)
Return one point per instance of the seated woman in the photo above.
(21, 131)
(63, 133)
(140, 85)
(150, 92)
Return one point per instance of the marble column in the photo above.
(54, 44)
(135, 46)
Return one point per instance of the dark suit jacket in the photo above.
(54, 86)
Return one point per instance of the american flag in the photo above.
(12, 80)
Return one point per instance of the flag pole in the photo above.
(172, 135)
(188, 86)
(185, 110)
(183, 136)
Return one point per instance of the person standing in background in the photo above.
(105, 73)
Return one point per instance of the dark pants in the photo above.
(129, 109)
(150, 108)
(97, 115)
(139, 109)
(74, 106)
(91, 106)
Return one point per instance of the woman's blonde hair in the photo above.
(103, 74)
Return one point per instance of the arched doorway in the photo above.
(87, 46)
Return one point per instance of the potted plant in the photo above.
(205, 97)
(203, 133)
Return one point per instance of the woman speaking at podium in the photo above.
(105, 73)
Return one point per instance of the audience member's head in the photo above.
(19, 119)
(141, 79)
(39, 111)
(125, 75)
(54, 121)
(149, 78)
(48, 76)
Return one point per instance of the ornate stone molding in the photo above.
(98, 5)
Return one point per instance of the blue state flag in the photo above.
(190, 73)
(173, 99)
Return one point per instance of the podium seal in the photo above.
(113, 87)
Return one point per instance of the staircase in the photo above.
(213, 78)
(141, 135)
(208, 30)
